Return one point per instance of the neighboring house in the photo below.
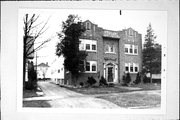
(111, 54)
(57, 71)
(42, 69)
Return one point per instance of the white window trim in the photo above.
(90, 42)
(129, 67)
(109, 51)
(91, 63)
(133, 48)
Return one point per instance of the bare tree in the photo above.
(32, 31)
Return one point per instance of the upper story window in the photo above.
(88, 45)
(88, 25)
(131, 67)
(130, 32)
(110, 49)
(131, 49)
(91, 66)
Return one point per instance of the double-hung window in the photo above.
(110, 49)
(88, 45)
(131, 49)
(131, 67)
(91, 66)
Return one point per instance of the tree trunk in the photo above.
(24, 62)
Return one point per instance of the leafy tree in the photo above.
(32, 31)
(151, 54)
(72, 29)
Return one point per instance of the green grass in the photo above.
(134, 100)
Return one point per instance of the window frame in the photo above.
(85, 42)
(109, 49)
(91, 63)
(130, 47)
(133, 65)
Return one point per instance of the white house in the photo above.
(57, 70)
(42, 69)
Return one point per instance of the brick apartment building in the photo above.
(111, 54)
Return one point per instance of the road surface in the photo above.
(59, 97)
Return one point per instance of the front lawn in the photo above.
(148, 86)
(134, 100)
(36, 103)
(99, 90)
(116, 89)
(29, 93)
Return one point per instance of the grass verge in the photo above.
(36, 103)
(134, 100)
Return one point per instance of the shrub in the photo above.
(91, 81)
(146, 79)
(138, 79)
(128, 78)
(124, 83)
(102, 81)
(111, 85)
(81, 84)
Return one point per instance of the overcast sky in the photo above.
(107, 19)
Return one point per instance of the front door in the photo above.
(110, 74)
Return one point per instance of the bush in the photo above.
(102, 81)
(81, 84)
(91, 81)
(146, 79)
(128, 78)
(124, 83)
(138, 79)
(111, 85)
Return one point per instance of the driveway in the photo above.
(60, 97)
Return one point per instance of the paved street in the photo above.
(62, 98)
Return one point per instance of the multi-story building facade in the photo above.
(111, 54)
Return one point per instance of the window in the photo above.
(126, 50)
(91, 66)
(136, 69)
(87, 46)
(87, 66)
(58, 70)
(88, 26)
(126, 67)
(93, 47)
(130, 32)
(131, 67)
(109, 49)
(131, 49)
(135, 49)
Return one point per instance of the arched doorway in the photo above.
(111, 72)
